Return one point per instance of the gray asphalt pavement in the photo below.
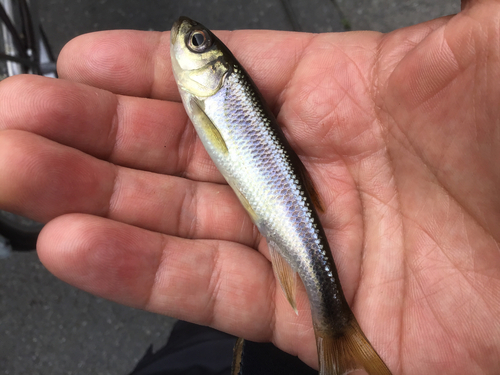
(48, 327)
(388, 15)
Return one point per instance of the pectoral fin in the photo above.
(286, 276)
(207, 126)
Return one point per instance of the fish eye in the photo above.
(199, 41)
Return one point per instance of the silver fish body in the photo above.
(248, 147)
(259, 166)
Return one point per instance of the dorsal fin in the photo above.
(309, 186)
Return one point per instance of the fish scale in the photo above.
(260, 168)
(246, 144)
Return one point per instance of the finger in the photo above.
(42, 179)
(139, 133)
(66, 112)
(207, 282)
(465, 4)
(137, 63)
(224, 285)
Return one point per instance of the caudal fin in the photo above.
(350, 351)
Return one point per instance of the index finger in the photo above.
(137, 63)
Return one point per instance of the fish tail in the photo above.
(351, 350)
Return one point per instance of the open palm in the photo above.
(400, 132)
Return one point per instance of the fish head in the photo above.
(199, 59)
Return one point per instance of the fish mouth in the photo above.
(175, 31)
(177, 26)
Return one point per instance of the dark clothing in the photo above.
(198, 350)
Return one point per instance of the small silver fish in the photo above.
(243, 139)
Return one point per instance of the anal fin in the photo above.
(246, 204)
(286, 276)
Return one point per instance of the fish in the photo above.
(245, 142)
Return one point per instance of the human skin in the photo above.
(400, 133)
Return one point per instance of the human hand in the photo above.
(400, 133)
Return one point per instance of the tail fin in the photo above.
(350, 351)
